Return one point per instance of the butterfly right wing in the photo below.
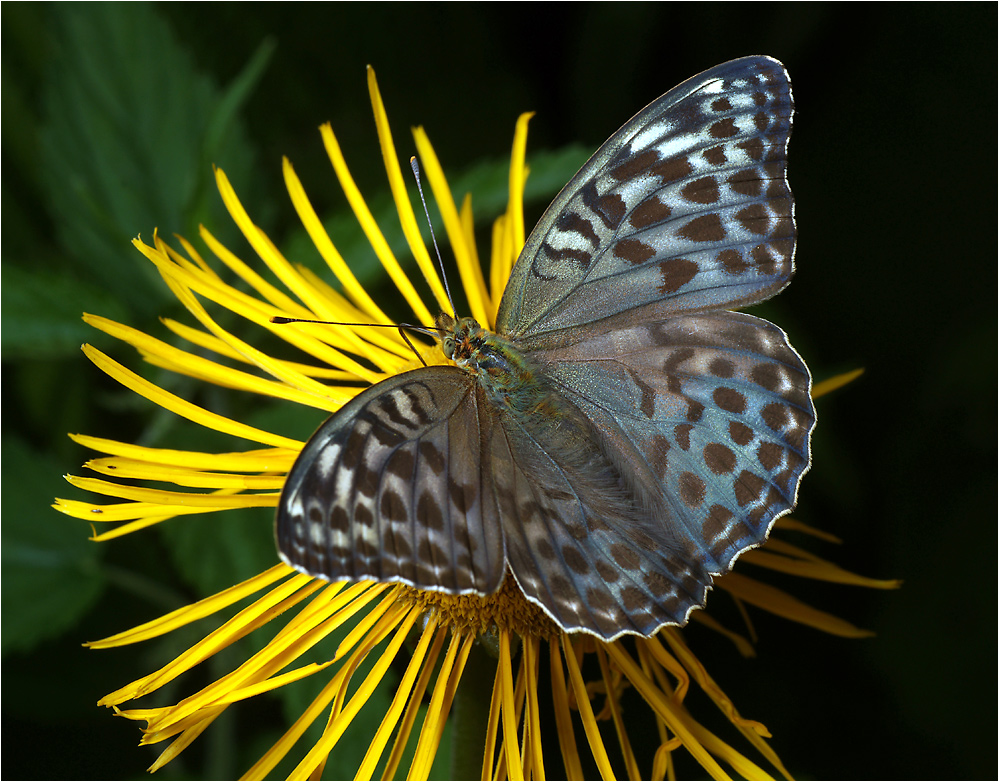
(392, 488)
(685, 208)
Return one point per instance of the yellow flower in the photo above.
(588, 678)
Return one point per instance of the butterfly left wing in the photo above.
(391, 488)
(710, 412)
(685, 208)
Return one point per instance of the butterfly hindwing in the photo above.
(390, 489)
(711, 411)
(578, 542)
(685, 208)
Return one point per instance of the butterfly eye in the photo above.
(447, 345)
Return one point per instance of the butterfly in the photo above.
(622, 436)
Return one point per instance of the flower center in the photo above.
(505, 609)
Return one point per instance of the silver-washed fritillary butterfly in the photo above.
(622, 436)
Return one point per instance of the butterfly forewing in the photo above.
(623, 436)
(686, 207)
(391, 489)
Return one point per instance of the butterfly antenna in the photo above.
(440, 263)
(280, 319)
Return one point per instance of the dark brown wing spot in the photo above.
(431, 456)
(544, 549)
(721, 367)
(692, 489)
(607, 573)
(625, 558)
(365, 481)
(716, 523)
(397, 544)
(392, 507)
(633, 251)
(754, 218)
(729, 399)
(695, 411)
(633, 599)
(576, 223)
(775, 415)
(764, 260)
(769, 455)
(720, 459)
(732, 261)
(577, 564)
(740, 433)
(628, 166)
(339, 519)
(648, 403)
(400, 465)
(748, 488)
(363, 516)
(677, 357)
(766, 375)
(716, 156)
(746, 182)
(724, 128)
(599, 599)
(753, 147)
(462, 496)
(428, 512)
(577, 256)
(676, 273)
(706, 228)
(650, 212)
(657, 584)
(352, 449)
(782, 247)
(701, 191)
(609, 208)
(672, 169)
(659, 453)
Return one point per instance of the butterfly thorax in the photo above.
(502, 370)
(531, 410)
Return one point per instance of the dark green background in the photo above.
(112, 117)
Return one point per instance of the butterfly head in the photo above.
(461, 339)
(492, 359)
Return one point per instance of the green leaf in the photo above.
(130, 127)
(41, 313)
(213, 551)
(50, 569)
